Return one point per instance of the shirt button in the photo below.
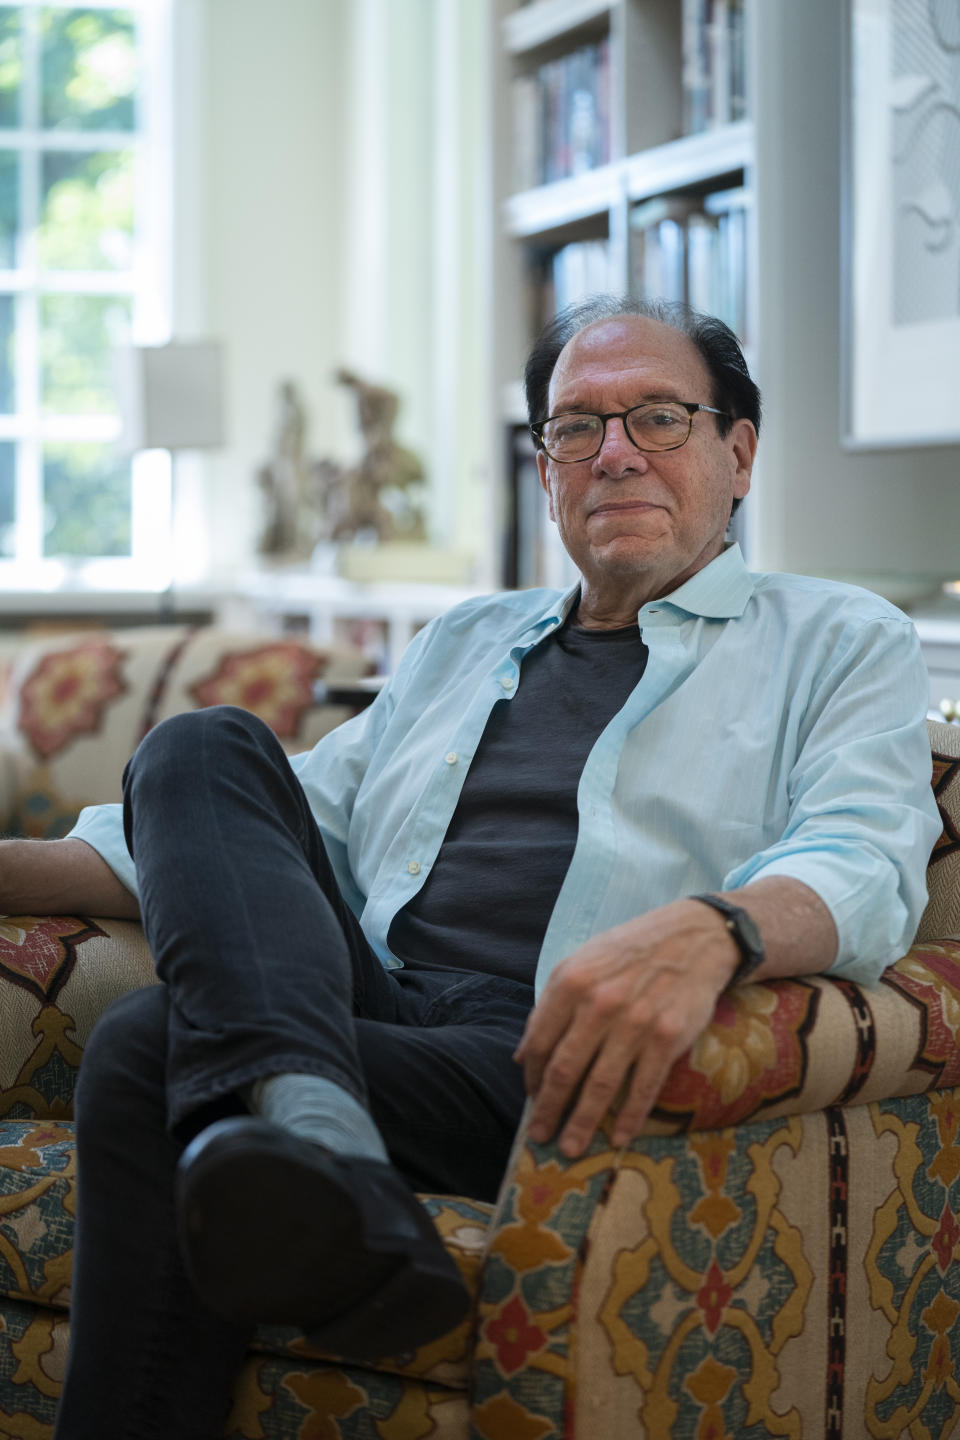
(414, 867)
(508, 682)
(452, 758)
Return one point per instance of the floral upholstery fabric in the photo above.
(783, 1277)
(777, 1255)
(285, 1384)
(74, 709)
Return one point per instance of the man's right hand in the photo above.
(60, 877)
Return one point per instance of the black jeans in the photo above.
(265, 969)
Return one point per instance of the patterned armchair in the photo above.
(777, 1255)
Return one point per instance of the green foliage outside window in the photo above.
(11, 67)
(77, 335)
(9, 207)
(88, 69)
(86, 495)
(87, 215)
(86, 84)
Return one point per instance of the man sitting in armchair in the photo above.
(564, 828)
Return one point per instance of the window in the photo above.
(84, 215)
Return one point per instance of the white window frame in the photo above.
(148, 284)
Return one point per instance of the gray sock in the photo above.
(317, 1109)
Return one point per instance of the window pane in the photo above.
(10, 65)
(86, 220)
(86, 492)
(7, 360)
(8, 476)
(77, 335)
(88, 67)
(9, 207)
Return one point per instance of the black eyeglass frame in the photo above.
(691, 407)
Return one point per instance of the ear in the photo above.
(743, 440)
(543, 469)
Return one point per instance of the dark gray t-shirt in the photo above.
(486, 903)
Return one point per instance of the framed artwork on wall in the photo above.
(901, 216)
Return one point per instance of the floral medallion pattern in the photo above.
(915, 1285)
(753, 1054)
(929, 977)
(275, 681)
(67, 694)
(714, 1324)
(286, 1390)
(38, 954)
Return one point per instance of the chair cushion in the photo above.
(74, 708)
(37, 1208)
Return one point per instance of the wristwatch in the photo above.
(745, 936)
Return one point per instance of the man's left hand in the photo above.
(622, 1008)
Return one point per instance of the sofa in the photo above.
(778, 1254)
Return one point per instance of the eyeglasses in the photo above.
(664, 425)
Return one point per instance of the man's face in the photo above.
(642, 520)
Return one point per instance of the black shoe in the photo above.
(276, 1229)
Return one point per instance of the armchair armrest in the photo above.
(57, 975)
(783, 1227)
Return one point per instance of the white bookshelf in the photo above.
(531, 26)
(532, 214)
(649, 156)
(690, 161)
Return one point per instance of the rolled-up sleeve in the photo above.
(863, 819)
(101, 827)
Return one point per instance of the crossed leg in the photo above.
(225, 844)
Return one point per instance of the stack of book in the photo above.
(714, 63)
(562, 117)
(694, 248)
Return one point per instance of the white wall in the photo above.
(328, 202)
(817, 507)
(261, 173)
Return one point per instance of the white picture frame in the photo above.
(901, 223)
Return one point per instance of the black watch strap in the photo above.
(746, 936)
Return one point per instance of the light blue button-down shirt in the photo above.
(778, 729)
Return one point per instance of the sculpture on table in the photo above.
(381, 497)
(310, 502)
(288, 483)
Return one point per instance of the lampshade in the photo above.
(171, 396)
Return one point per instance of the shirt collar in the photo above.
(720, 591)
(559, 608)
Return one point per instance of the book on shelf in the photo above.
(562, 277)
(714, 64)
(730, 210)
(534, 553)
(658, 249)
(561, 114)
(694, 249)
